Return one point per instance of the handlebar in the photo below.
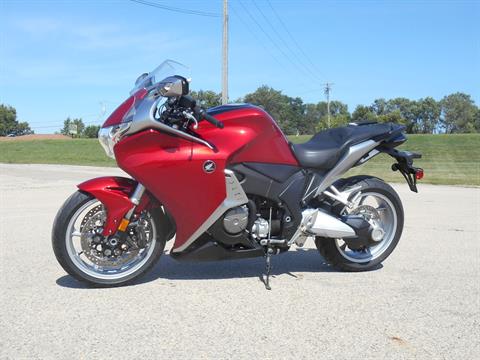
(186, 101)
(212, 120)
(204, 115)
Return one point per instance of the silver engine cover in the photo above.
(236, 220)
(260, 228)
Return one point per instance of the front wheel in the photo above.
(377, 202)
(90, 257)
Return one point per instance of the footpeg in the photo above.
(266, 242)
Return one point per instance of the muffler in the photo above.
(353, 229)
(324, 225)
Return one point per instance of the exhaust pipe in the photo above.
(324, 225)
(354, 229)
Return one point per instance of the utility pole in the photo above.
(225, 54)
(326, 91)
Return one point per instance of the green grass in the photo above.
(73, 152)
(447, 159)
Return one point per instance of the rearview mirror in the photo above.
(173, 86)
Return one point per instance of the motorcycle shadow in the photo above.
(290, 262)
(302, 260)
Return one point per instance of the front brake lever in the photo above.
(191, 117)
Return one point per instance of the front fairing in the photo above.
(172, 170)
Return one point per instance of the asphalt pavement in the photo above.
(423, 303)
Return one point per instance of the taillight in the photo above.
(419, 174)
(126, 107)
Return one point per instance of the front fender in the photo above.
(114, 193)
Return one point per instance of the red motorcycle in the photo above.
(225, 183)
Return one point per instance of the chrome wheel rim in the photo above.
(388, 222)
(75, 244)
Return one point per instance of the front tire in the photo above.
(337, 253)
(98, 272)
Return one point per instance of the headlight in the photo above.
(111, 135)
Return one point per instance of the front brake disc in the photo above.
(93, 242)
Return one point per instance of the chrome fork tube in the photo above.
(135, 199)
(137, 194)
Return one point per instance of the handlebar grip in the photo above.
(212, 120)
(204, 115)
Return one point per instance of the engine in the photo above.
(236, 220)
(252, 220)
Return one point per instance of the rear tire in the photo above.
(59, 242)
(329, 248)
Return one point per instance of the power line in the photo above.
(285, 43)
(292, 38)
(176, 9)
(271, 39)
(254, 36)
(262, 44)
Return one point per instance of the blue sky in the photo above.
(65, 58)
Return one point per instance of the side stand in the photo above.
(268, 267)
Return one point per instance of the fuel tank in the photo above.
(250, 135)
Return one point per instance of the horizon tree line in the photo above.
(454, 113)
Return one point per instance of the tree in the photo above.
(454, 113)
(91, 131)
(408, 111)
(380, 107)
(459, 113)
(339, 114)
(428, 115)
(273, 101)
(398, 110)
(311, 118)
(9, 123)
(363, 113)
(391, 117)
(66, 127)
(477, 120)
(293, 117)
(288, 112)
(207, 98)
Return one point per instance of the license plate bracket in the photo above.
(405, 166)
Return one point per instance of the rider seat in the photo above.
(325, 148)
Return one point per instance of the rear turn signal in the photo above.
(419, 174)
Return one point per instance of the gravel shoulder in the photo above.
(423, 303)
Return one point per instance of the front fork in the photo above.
(121, 233)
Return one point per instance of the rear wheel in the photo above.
(90, 257)
(379, 204)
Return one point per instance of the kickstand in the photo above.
(268, 268)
